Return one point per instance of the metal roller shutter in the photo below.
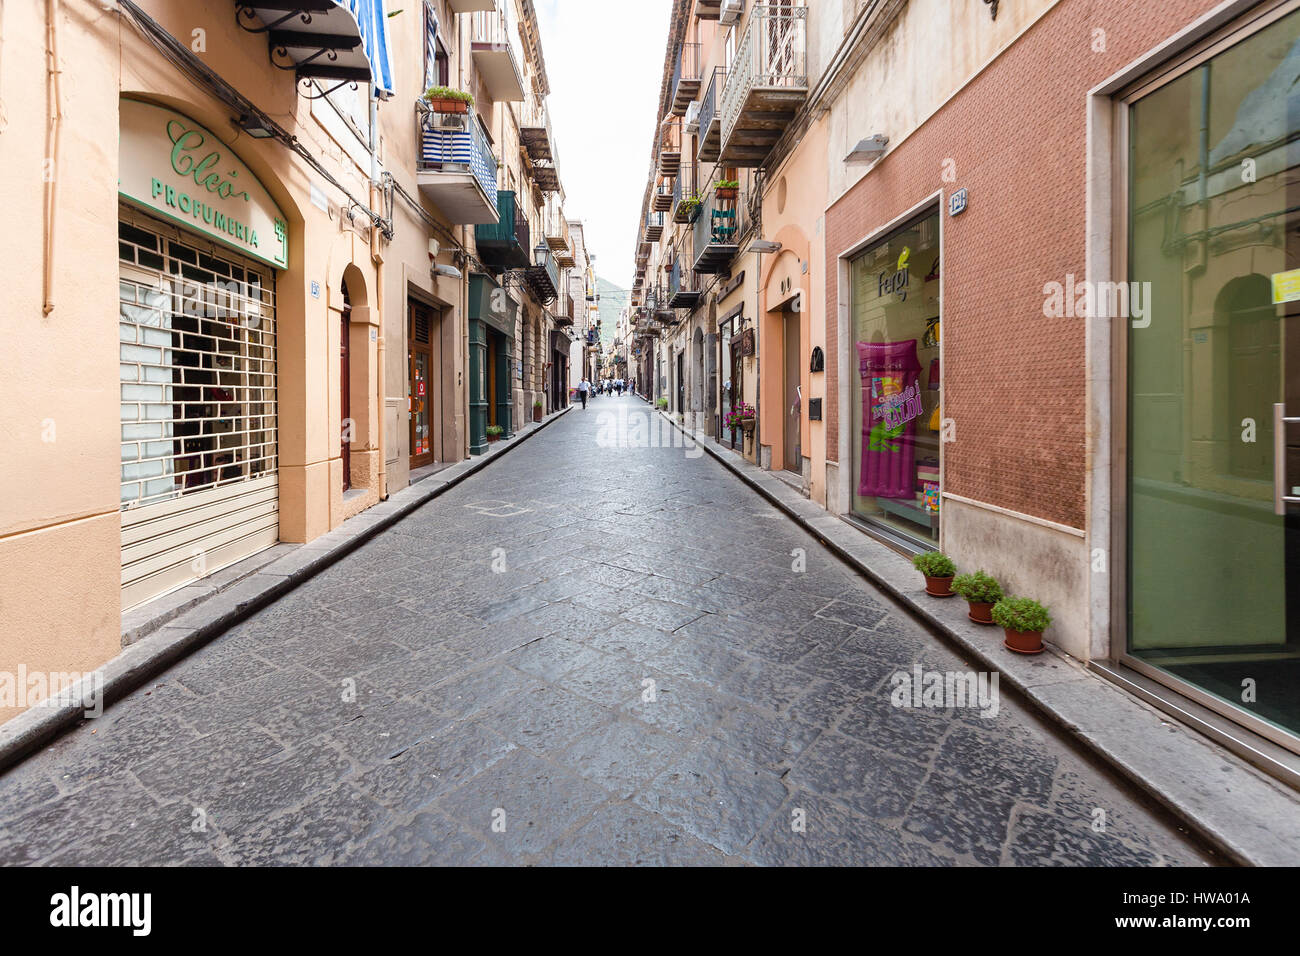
(198, 392)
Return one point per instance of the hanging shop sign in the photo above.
(172, 166)
(746, 345)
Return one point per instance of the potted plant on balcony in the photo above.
(726, 188)
(494, 433)
(443, 99)
(537, 410)
(981, 591)
(689, 206)
(1023, 621)
(938, 570)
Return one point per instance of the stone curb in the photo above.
(1245, 815)
(216, 613)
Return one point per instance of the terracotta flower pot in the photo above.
(1023, 642)
(729, 192)
(537, 414)
(493, 438)
(939, 587)
(980, 612)
(448, 106)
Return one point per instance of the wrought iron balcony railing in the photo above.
(772, 55)
(710, 134)
(686, 77)
(442, 149)
(719, 228)
(506, 244)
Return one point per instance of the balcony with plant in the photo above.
(685, 196)
(456, 169)
(722, 220)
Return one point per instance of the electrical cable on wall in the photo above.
(198, 72)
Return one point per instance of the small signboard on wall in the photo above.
(746, 345)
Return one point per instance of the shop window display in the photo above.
(896, 417)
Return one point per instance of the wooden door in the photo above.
(420, 383)
(345, 391)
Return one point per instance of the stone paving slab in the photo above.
(585, 654)
(166, 630)
(1249, 817)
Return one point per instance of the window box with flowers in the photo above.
(742, 417)
(726, 188)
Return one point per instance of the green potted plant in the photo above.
(494, 433)
(981, 591)
(726, 188)
(443, 99)
(537, 410)
(687, 209)
(1023, 620)
(661, 404)
(938, 570)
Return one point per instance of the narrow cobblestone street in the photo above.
(583, 655)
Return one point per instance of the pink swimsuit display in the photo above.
(891, 404)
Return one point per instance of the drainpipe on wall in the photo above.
(53, 98)
(377, 258)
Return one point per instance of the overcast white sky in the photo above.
(605, 61)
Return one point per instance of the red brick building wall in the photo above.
(1013, 380)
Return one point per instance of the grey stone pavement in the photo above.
(585, 654)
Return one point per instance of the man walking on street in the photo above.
(583, 388)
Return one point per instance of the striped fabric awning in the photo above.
(372, 20)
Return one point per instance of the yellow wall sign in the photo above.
(172, 166)
(1286, 286)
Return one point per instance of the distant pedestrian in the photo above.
(584, 388)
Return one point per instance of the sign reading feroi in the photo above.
(172, 166)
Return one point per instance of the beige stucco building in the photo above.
(297, 270)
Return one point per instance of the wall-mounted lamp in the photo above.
(765, 245)
(449, 272)
(254, 127)
(867, 151)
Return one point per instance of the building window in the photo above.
(1212, 313)
(437, 65)
(896, 417)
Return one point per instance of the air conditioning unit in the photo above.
(692, 122)
(731, 11)
(447, 122)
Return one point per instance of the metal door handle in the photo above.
(1280, 498)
